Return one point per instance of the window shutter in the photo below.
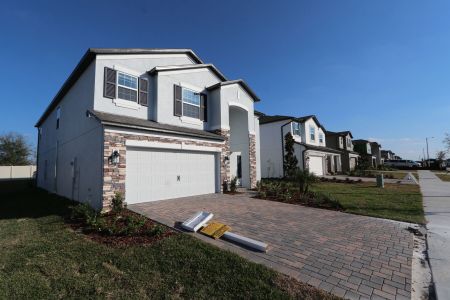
(143, 91)
(203, 110)
(109, 88)
(178, 102)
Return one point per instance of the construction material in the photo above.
(248, 242)
(215, 229)
(197, 221)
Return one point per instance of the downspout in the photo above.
(282, 146)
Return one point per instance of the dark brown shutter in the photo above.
(109, 88)
(178, 102)
(203, 110)
(143, 91)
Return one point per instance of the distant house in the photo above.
(364, 148)
(376, 151)
(310, 145)
(342, 141)
(387, 155)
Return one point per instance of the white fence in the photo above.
(17, 172)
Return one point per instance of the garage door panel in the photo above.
(316, 165)
(153, 174)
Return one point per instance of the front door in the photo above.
(239, 169)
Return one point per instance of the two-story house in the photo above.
(152, 124)
(342, 141)
(364, 148)
(376, 151)
(387, 155)
(310, 145)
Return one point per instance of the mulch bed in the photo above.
(138, 238)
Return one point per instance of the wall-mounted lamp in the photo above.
(226, 158)
(114, 157)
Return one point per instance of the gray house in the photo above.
(342, 141)
(153, 124)
(310, 146)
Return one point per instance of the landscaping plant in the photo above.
(233, 185)
(290, 160)
(304, 179)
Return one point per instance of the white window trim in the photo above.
(293, 129)
(127, 87)
(321, 138)
(187, 119)
(127, 103)
(313, 133)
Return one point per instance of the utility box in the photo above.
(380, 181)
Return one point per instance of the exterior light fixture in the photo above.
(114, 158)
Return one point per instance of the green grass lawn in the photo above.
(444, 177)
(402, 202)
(399, 174)
(41, 257)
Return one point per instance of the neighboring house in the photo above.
(387, 155)
(342, 141)
(376, 151)
(153, 124)
(310, 145)
(364, 148)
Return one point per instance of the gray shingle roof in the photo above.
(237, 81)
(130, 122)
(89, 56)
(188, 67)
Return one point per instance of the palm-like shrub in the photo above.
(304, 179)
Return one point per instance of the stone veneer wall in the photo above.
(252, 159)
(114, 175)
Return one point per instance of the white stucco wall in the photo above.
(137, 65)
(272, 148)
(196, 80)
(306, 137)
(239, 143)
(78, 138)
(235, 95)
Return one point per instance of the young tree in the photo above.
(14, 150)
(440, 157)
(290, 160)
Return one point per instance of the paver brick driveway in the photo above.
(351, 256)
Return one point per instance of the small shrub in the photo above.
(117, 204)
(156, 230)
(83, 212)
(233, 185)
(225, 186)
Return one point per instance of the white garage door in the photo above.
(316, 165)
(164, 174)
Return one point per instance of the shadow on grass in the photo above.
(21, 199)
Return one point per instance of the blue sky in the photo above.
(378, 68)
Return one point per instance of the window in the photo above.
(312, 133)
(341, 142)
(127, 87)
(349, 142)
(296, 128)
(191, 104)
(58, 116)
(369, 150)
(320, 138)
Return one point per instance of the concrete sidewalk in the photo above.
(436, 201)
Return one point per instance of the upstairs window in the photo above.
(369, 149)
(320, 138)
(191, 104)
(58, 116)
(123, 86)
(341, 142)
(296, 128)
(349, 142)
(312, 133)
(127, 87)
